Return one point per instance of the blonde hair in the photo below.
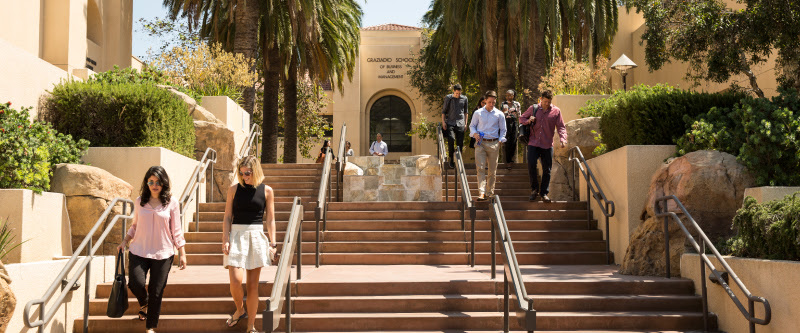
(252, 163)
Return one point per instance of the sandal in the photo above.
(142, 313)
(253, 330)
(233, 321)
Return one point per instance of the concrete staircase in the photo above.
(402, 266)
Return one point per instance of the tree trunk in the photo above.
(290, 114)
(565, 36)
(490, 42)
(505, 73)
(527, 93)
(269, 147)
(534, 66)
(245, 42)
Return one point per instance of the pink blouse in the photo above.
(155, 232)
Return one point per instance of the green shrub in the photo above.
(28, 150)
(769, 230)
(121, 115)
(651, 115)
(148, 75)
(764, 136)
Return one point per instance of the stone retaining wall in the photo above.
(415, 178)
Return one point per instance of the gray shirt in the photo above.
(455, 110)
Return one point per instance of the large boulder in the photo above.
(221, 139)
(710, 184)
(8, 301)
(195, 110)
(89, 191)
(579, 134)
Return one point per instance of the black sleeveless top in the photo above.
(248, 204)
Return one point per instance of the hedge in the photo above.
(651, 115)
(121, 115)
(763, 134)
(769, 230)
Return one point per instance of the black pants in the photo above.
(546, 155)
(511, 149)
(159, 272)
(455, 133)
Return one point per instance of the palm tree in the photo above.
(501, 40)
(325, 37)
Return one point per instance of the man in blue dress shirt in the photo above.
(488, 127)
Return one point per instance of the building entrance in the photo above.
(391, 116)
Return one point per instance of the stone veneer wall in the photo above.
(416, 178)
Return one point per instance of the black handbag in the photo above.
(118, 300)
(525, 130)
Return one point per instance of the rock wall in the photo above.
(416, 178)
(211, 132)
(710, 184)
(89, 191)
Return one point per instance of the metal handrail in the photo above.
(466, 203)
(526, 313)
(443, 163)
(68, 285)
(321, 210)
(341, 164)
(281, 287)
(255, 133)
(718, 277)
(193, 187)
(593, 190)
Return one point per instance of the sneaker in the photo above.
(534, 195)
(545, 198)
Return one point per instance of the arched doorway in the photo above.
(391, 116)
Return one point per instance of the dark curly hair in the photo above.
(161, 174)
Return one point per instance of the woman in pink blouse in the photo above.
(154, 234)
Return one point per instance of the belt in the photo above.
(490, 140)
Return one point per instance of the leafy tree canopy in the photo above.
(721, 38)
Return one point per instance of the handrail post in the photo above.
(317, 214)
(288, 305)
(588, 202)
(197, 206)
(505, 300)
(752, 312)
(666, 244)
(472, 213)
(494, 247)
(86, 285)
(300, 249)
(608, 238)
(455, 183)
(704, 290)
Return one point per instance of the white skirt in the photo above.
(249, 247)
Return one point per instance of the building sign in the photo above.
(390, 68)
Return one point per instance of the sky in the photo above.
(376, 12)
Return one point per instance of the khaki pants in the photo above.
(487, 152)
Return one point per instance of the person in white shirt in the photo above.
(378, 147)
(488, 127)
(349, 150)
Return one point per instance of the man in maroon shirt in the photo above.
(546, 119)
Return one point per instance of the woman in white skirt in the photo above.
(250, 207)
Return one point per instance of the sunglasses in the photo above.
(151, 183)
(246, 173)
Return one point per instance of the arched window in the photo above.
(391, 116)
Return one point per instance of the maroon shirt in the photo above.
(546, 124)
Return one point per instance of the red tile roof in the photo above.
(391, 27)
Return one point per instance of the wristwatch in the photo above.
(273, 245)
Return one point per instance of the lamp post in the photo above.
(623, 64)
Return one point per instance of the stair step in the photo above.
(416, 225)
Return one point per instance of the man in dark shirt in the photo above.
(454, 115)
